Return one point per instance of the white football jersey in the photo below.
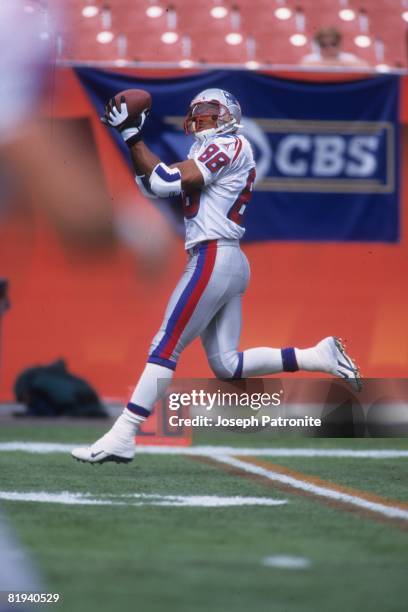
(216, 210)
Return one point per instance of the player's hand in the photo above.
(118, 118)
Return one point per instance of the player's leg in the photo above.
(118, 443)
(221, 339)
(327, 356)
(192, 305)
(169, 341)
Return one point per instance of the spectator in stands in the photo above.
(329, 53)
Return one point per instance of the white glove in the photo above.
(129, 128)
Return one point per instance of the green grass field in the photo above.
(103, 558)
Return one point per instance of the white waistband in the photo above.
(221, 242)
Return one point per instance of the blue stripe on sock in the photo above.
(238, 371)
(289, 360)
(166, 363)
(139, 410)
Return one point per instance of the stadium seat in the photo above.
(207, 34)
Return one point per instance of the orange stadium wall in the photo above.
(99, 309)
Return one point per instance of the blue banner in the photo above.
(327, 154)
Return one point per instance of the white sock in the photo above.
(126, 425)
(308, 359)
(261, 361)
(151, 386)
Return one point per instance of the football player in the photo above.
(215, 184)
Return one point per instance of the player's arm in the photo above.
(153, 176)
(191, 177)
(147, 164)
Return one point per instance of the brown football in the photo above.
(137, 100)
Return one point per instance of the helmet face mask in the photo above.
(204, 115)
(213, 111)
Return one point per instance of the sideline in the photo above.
(327, 490)
(214, 451)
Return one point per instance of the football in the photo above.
(137, 100)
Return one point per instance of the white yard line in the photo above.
(215, 451)
(65, 497)
(319, 491)
(138, 499)
(286, 562)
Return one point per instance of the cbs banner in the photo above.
(327, 154)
